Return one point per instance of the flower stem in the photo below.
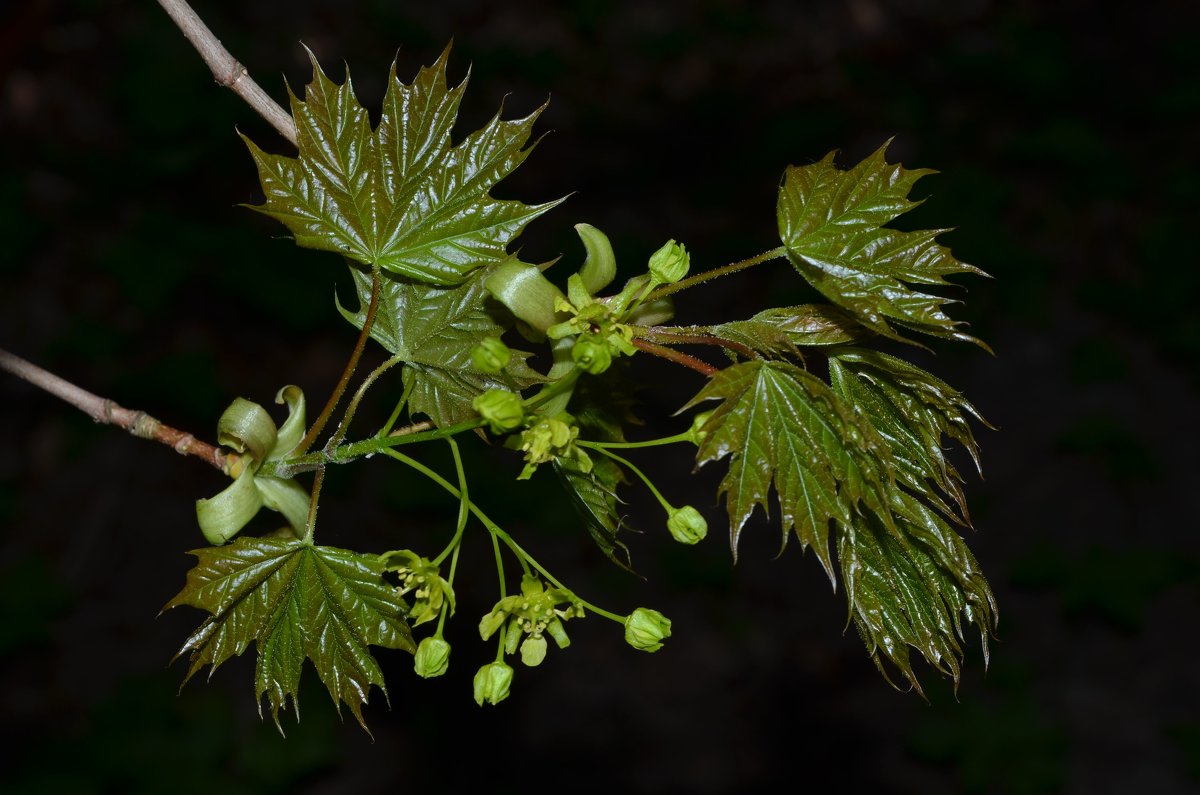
(391, 423)
(686, 436)
(629, 465)
(715, 273)
(344, 425)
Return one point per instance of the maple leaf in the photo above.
(911, 585)
(781, 426)
(400, 196)
(912, 410)
(295, 601)
(433, 329)
(831, 224)
(779, 332)
(594, 496)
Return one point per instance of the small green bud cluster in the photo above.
(646, 629)
(599, 338)
(670, 263)
(502, 409)
(550, 438)
(491, 356)
(432, 658)
(492, 682)
(535, 612)
(421, 578)
(686, 524)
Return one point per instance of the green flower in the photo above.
(502, 409)
(697, 433)
(491, 356)
(670, 263)
(547, 439)
(432, 658)
(591, 353)
(419, 576)
(534, 613)
(686, 524)
(646, 629)
(492, 682)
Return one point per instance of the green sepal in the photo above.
(294, 426)
(223, 516)
(247, 428)
(527, 293)
(600, 265)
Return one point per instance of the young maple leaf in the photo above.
(831, 223)
(295, 601)
(400, 196)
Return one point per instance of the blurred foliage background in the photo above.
(1065, 135)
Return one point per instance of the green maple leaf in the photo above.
(780, 332)
(913, 411)
(295, 601)
(594, 496)
(399, 196)
(911, 586)
(783, 427)
(433, 329)
(831, 223)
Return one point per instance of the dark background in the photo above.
(1066, 137)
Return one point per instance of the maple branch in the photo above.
(714, 273)
(672, 355)
(670, 335)
(226, 69)
(107, 412)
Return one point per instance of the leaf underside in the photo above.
(837, 471)
(594, 496)
(433, 329)
(400, 196)
(294, 601)
(832, 222)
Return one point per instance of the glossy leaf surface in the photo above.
(781, 331)
(832, 222)
(295, 601)
(594, 496)
(913, 410)
(434, 329)
(782, 427)
(401, 195)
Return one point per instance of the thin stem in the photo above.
(105, 411)
(450, 580)
(225, 68)
(347, 373)
(463, 503)
(499, 562)
(391, 423)
(649, 484)
(671, 355)
(686, 436)
(344, 425)
(525, 559)
(715, 273)
(311, 525)
(691, 337)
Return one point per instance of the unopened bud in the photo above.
(670, 263)
(432, 658)
(502, 410)
(491, 356)
(492, 682)
(686, 524)
(591, 354)
(646, 629)
(697, 432)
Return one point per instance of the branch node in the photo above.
(184, 444)
(144, 426)
(236, 73)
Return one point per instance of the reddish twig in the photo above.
(105, 411)
(226, 69)
(672, 355)
(669, 336)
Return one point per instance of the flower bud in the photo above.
(502, 410)
(646, 629)
(491, 356)
(432, 658)
(697, 432)
(591, 354)
(492, 682)
(670, 263)
(686, 524)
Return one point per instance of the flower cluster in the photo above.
(536, 610)
(421, 578)
(550, 438)
(598, 336)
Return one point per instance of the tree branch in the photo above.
(672, 355)
(105, 411)
(226, 69)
